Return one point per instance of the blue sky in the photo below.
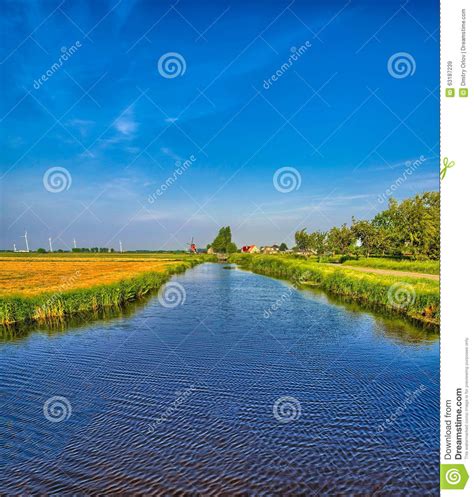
(120, 128)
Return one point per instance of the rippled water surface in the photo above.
(249, 387)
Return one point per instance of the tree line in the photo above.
(409, 228)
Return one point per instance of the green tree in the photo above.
(303, 240)
(387, 225)
(283, 247)
(365, 233)
(411, 227)
(41, 251)
(340, 240)
(317, 242)
(419, 225)
(223, 241)
(231, 248)
(310, 241)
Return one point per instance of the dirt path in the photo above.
(393, 272)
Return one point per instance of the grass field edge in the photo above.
(17, 309)
(372, 289)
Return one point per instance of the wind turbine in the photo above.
(14, 247)
(50, 245)
(26, 241)
(74, 241)
(121, 248)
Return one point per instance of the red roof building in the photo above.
(250, 249)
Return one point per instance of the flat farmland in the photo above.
(31, 274)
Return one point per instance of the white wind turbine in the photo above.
(121, 248)
(26, 241)
(50, 245)
(74, 241)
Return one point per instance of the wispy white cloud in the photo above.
(397, 165)
(83, 125)
(147, 215)
(126, 124)
(170, 153)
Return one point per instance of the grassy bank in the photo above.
(428, 267)
(413, 297)
(60, 304)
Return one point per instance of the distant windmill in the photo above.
(121, 248)
(26, 241)
(192, 246)
(14, 248)
(50, 245)
(74, 241)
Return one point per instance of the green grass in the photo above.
(373, 289)
(60, 305)
(428, 267)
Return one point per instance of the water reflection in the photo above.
(392, 325)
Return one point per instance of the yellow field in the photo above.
(32, 274)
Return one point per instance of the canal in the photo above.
(227, 383)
